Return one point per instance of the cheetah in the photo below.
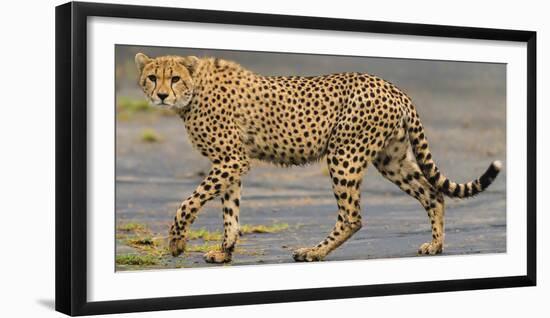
(233, 115)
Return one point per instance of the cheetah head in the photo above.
(167, 81)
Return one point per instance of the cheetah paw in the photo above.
(430, 248)
(217, 257)
(307, 254)
(177, 246)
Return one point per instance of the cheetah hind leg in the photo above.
(397, 164)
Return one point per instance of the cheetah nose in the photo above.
(162, 96)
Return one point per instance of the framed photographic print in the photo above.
(208, 158)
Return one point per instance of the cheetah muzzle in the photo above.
(233, 115)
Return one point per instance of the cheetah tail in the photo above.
(424, 159)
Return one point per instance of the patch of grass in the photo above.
(205, 235)
(203, 248)
(127, 108)
(120, 236)
(154, 246)
(141, 241)
(136, 259)
(133, 227)
(130, 105)
(150, 135)
(124, 116)
(260, 228)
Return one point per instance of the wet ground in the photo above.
(465, 135)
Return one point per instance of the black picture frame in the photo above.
(71, 157)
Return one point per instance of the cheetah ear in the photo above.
(141, 60)
(190, 62)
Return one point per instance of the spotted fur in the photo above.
(233, 115)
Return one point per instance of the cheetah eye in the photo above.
(175, 79)
(152, 78)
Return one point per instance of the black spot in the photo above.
(456, 192)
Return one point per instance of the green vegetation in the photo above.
(136, 259)
(205, 235)
(150, 245)
(127, 104)
(276, 227)
(153, 249)
(141, 241)
(127, 108)
(203, 248)
(150, 135)
(133, 227)
(121, 236)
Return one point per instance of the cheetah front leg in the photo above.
(220, 178)
(230, 202)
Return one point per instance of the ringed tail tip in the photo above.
(497, 164)
(489, 176)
